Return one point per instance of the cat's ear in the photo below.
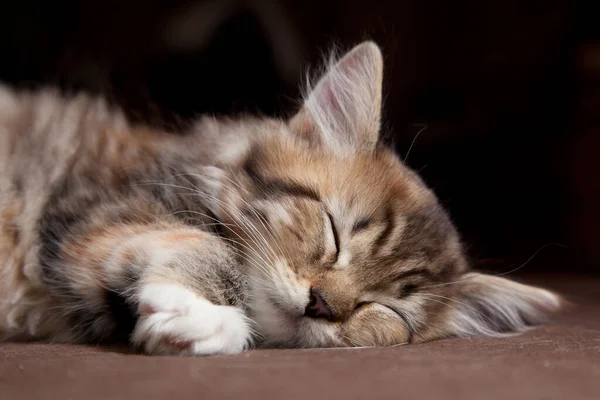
(491, 305)
(343, 110)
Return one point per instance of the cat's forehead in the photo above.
(363, 180)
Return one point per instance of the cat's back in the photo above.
(56, 150)
(41, 132)
(42, 129)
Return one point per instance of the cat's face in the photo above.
(344, 245)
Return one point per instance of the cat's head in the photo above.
(344, 244)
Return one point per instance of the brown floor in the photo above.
(559, 361)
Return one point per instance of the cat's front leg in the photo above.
(183, 284)
(175, 320)
(174, 313)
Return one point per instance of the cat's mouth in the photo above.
(289, 317)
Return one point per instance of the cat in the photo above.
(247, 232)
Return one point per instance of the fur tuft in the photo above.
(494, 306)
(345, 104)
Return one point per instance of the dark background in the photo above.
(509, 92)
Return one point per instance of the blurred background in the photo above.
(509, 93)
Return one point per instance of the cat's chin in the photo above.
(282, 329)
(277, 327)
(289, 320)
(286, 319)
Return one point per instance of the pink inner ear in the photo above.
(346, 71)
(327, 98)
(344, 107)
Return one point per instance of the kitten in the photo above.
(307, 232)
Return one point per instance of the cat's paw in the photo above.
(173, 320)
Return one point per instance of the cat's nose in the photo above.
(317, 306)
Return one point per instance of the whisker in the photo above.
(413, 142)
(500, 274)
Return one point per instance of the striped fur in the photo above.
(207, 242)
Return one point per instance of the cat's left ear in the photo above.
(343, 110)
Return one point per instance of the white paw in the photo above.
(173, 320)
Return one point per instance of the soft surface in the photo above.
(559, 361)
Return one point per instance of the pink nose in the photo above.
(317, 306)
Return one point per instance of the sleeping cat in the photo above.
(305, 232)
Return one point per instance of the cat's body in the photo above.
(305, 232)
(71, 165)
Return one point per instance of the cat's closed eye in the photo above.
(408, 289)
(333, 238)
(361, 225)
(361, 305)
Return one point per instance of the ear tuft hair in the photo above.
(343, 110)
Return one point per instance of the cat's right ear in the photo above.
(343, 110)
(493, 305)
